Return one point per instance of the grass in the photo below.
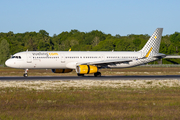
(100, 101)
(4, 71)
(88, 99)
(97, 103)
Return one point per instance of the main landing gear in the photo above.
(98, 74)
(26, 73)
(80, 75)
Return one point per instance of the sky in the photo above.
(113, 17)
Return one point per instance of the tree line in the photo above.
(95, 40)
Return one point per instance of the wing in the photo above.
(106, 62)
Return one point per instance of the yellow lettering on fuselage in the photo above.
(53, 53)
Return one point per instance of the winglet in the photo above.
(69, 49)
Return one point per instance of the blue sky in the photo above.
(109, 16)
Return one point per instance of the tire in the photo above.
(80, 75)
(25, 75)
(98, 74)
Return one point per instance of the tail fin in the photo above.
(152, 46)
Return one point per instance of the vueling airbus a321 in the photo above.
(86, 62)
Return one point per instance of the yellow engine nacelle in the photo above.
(86, 69)
(61, 70)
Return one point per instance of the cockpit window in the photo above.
(18, 57)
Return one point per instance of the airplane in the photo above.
(87, 62)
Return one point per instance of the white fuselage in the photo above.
(69, 60)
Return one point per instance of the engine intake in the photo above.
(61, 70)
(86, 69)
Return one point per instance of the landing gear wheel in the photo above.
(98, 74)
(80, 75)
(25, 75)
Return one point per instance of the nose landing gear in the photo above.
(26, 73)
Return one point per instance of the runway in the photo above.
(43, 78)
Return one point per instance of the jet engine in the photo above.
(86, 69)
(61, 70)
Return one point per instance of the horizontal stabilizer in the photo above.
(159, 55)
(172, 56)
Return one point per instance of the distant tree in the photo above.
(175, 38)
(84, 41)
(163, 48)
(42, 46)
(137, 43)
(74, 31)
(43, 32)
(106, 45)
(4, 51)
(117, 36)
(95, 41)
(171, 49)
(10, 33)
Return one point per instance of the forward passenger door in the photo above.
(29, 57)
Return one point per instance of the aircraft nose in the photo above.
(8, 63)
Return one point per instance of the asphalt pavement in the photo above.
(135, 77)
